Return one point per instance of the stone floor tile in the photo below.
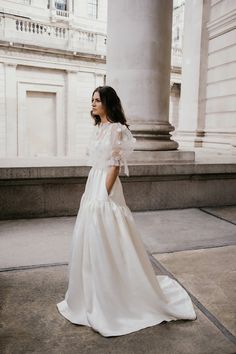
(41, 241)
(210, 275)
(227, 213)
(35, 241)
(176, 230)
(32, 324)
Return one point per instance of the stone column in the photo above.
(138, 67)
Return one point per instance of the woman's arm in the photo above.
(112, 173)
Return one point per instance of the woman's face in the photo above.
(97, 106)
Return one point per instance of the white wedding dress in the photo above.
(112, 285)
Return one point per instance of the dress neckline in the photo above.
(104, 124)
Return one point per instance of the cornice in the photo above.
(13, 56)
(222, 25)
(58, 53)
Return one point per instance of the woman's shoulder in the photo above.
(118, 126)
(121, 130)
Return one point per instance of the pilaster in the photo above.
(11, 109)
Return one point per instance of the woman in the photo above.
(112, 285)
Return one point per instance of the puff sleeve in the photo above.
(122, 145)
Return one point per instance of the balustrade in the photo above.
(38, 28)
(62, 13)
(51, 35)
(20, 30)
(176, 57)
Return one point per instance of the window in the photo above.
(176, 34)
(61, 5)
(93, 8)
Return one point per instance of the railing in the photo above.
(176, 57)
(62, 13)
(31, 27)
(26, 31)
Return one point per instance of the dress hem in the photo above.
(66, 315)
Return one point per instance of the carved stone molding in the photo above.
(27, 57)
(154, 137)
(14, 65)
(51, 55)
(222, 25)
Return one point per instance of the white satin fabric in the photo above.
(112, 285)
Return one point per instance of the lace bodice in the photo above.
(110, 145)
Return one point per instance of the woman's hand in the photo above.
(112, 173)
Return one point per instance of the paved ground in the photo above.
(196, 246)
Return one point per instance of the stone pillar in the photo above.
(69, 5)
(71, 112)
(52, 10)
(52, 4)
(194, 74)
(70, 9)
(11, 110)
(138, 67)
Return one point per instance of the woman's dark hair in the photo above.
(112, 105)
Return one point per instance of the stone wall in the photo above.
(208, 96)
(45, 108)
(50, 62)
(56, 191)
(220, 116)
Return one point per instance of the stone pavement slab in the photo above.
(30, 323)
(29, 242)
(181, 229)
(35, 241)
(210, 275)
(227, 213)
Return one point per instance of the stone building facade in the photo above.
(208, 90)
(52, 55)
(176, 61)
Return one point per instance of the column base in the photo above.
(155, 157)
(154, 137)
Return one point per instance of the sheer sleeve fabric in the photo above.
(122, 145)
(110, 145)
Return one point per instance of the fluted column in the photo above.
(138, 67)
